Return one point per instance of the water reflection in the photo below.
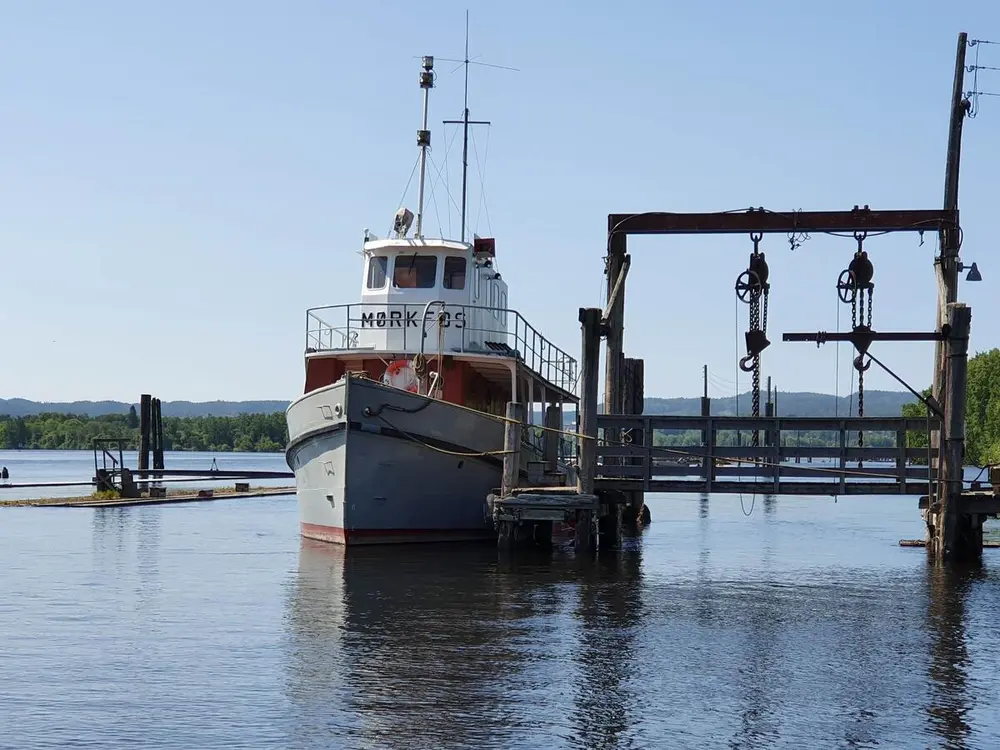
(416, 647)
(610, 615)
(947, 592)
(400, 646)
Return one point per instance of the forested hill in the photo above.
(877, 404)
(19, 407)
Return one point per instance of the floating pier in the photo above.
(96, 501)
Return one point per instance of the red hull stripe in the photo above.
(337, 535)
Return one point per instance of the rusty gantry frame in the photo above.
(952, 334)
(954, 518)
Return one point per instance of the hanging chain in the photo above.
(751, 286)
(855, 282)
(755, 393)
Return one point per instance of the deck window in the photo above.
(415, 271)
(378, 269)
(454, 273)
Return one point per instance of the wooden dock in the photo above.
(633, 463)
(97, 501)
(528, 516)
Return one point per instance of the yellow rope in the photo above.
(762, 462)
(445, 451)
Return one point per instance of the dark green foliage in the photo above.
(790, 404)
(19, 407)
(982, 415)
(245, 432)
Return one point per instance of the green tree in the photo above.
(982, 411)
(133, 418)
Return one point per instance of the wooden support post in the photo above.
(946, 265)
(768, 412)
(512, 449)
(901, 459)
(590, 361)
(958, 536)
(145, 413)
(707, 438)
(553, 422)
(615, 321)
(156, 434)
(633, 402)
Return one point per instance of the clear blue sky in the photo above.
(182, 180)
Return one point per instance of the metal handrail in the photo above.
(519, 337)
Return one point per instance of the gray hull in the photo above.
(377, 465)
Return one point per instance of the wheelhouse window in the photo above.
(378, 270)
(414, 271)
(454, 273)
(503, 307)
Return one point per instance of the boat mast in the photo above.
(465, 127)
(424, 138)
(465, 122)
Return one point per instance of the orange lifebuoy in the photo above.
(399, 374)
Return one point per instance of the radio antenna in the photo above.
(465, 122)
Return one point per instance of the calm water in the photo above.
(213, 625)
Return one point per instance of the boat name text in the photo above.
(397, 319)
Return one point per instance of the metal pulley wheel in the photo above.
(847, 289)
(747, 283)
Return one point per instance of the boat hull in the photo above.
(378, 465)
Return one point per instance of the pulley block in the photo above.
(862, 270)
(847, 290)
(747, 285)
(756, 343)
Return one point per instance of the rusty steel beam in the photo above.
(822, 337)
(762, 220)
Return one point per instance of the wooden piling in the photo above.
(512, 448)
(590, 361)
(633, 398)
(958, 535)
(157, 434)
(145, 413)
(553, 423)
(946, 265)
(616, 322)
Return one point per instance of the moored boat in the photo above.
(398, 435)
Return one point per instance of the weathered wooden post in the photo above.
(632, 402)
(616, 268)
(708, 463)
(553, 424)
(512, 449)
(145, 413)
(946, 265)
(157, 434)
(958, 535)
(590, 360)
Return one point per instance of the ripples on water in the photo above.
(213, 625)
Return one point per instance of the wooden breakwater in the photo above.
(103, 500)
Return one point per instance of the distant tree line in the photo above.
(246, 432)
(796, 439)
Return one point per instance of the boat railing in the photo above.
(470, 329)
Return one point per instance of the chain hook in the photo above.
(756, 237)
(860, 237)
